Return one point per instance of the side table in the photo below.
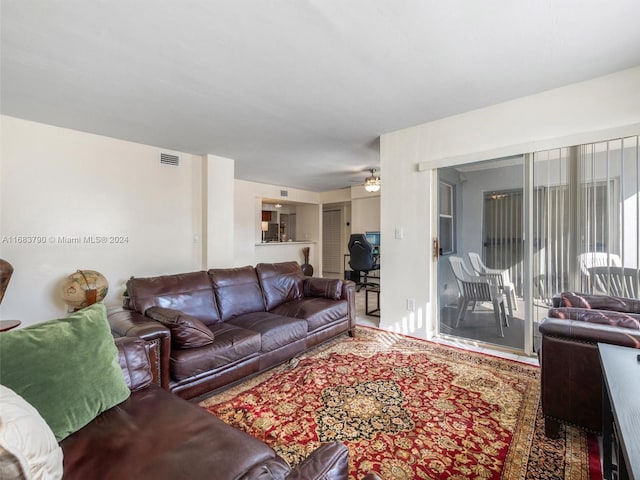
(374, 312)
(620, 412)
(9, 324)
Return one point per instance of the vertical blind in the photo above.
(586, 222)
(586, 218)
(503, 244)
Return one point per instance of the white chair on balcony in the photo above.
(589, 260)
(473, 289)
(616, 281)
(500, 276)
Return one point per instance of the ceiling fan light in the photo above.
(372, 183)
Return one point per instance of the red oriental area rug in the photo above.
(408, 408)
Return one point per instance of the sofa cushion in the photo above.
(281, 282)
(318, 312)
(237, 291)
(330, 288)
(603, 317)
(67, 369)
(597, 302)
(156, 435)
(30, 448)
(231, 344)
(275, 330)
(190, 293)
(186, 331)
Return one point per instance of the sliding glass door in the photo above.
(550, 221)
(487, 209)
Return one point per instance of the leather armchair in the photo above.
(571, 375)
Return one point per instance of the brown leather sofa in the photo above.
(571, 375)
(156, 435)
(217, 327)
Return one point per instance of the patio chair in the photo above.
(500, 276)
(473, 289)
(616, 281)
(589, 260)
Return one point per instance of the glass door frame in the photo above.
(527, 187)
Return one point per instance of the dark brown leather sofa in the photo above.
(156, 435)
(570, 366)
(256, 318)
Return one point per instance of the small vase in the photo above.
(307, 270)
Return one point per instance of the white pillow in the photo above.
(26, 436)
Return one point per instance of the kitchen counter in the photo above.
(272, 252)
(297, 242)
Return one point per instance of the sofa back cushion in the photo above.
(237, 291)
(330, 288)
(597, 302)
(186, 331)
(190, 293)
(281, 282)
(603, 317)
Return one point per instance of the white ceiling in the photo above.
(296, 91)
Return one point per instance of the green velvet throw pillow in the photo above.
(67, 368)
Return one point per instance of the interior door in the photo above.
(332, 242)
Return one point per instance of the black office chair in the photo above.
(362, 259)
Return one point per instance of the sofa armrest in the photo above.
(129, 323)
(134, 361)
(571, 376)
(589, 332)
(330, 461)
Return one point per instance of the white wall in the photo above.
(365, 210)
(286, 252)
(63, 183)
(56, 183)
(479, 182)
(218, 219)
(336, 196)
(406, 265)
(309, 222)
(602, 108)
(248, 199)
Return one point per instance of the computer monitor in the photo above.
(373, 238)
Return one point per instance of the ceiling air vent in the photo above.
(169, 159)
(284, 193)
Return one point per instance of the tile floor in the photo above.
(371, 321)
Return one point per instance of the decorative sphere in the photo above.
(77, 285)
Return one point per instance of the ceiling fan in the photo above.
(372, 183)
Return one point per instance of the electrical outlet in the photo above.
(411, 304)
